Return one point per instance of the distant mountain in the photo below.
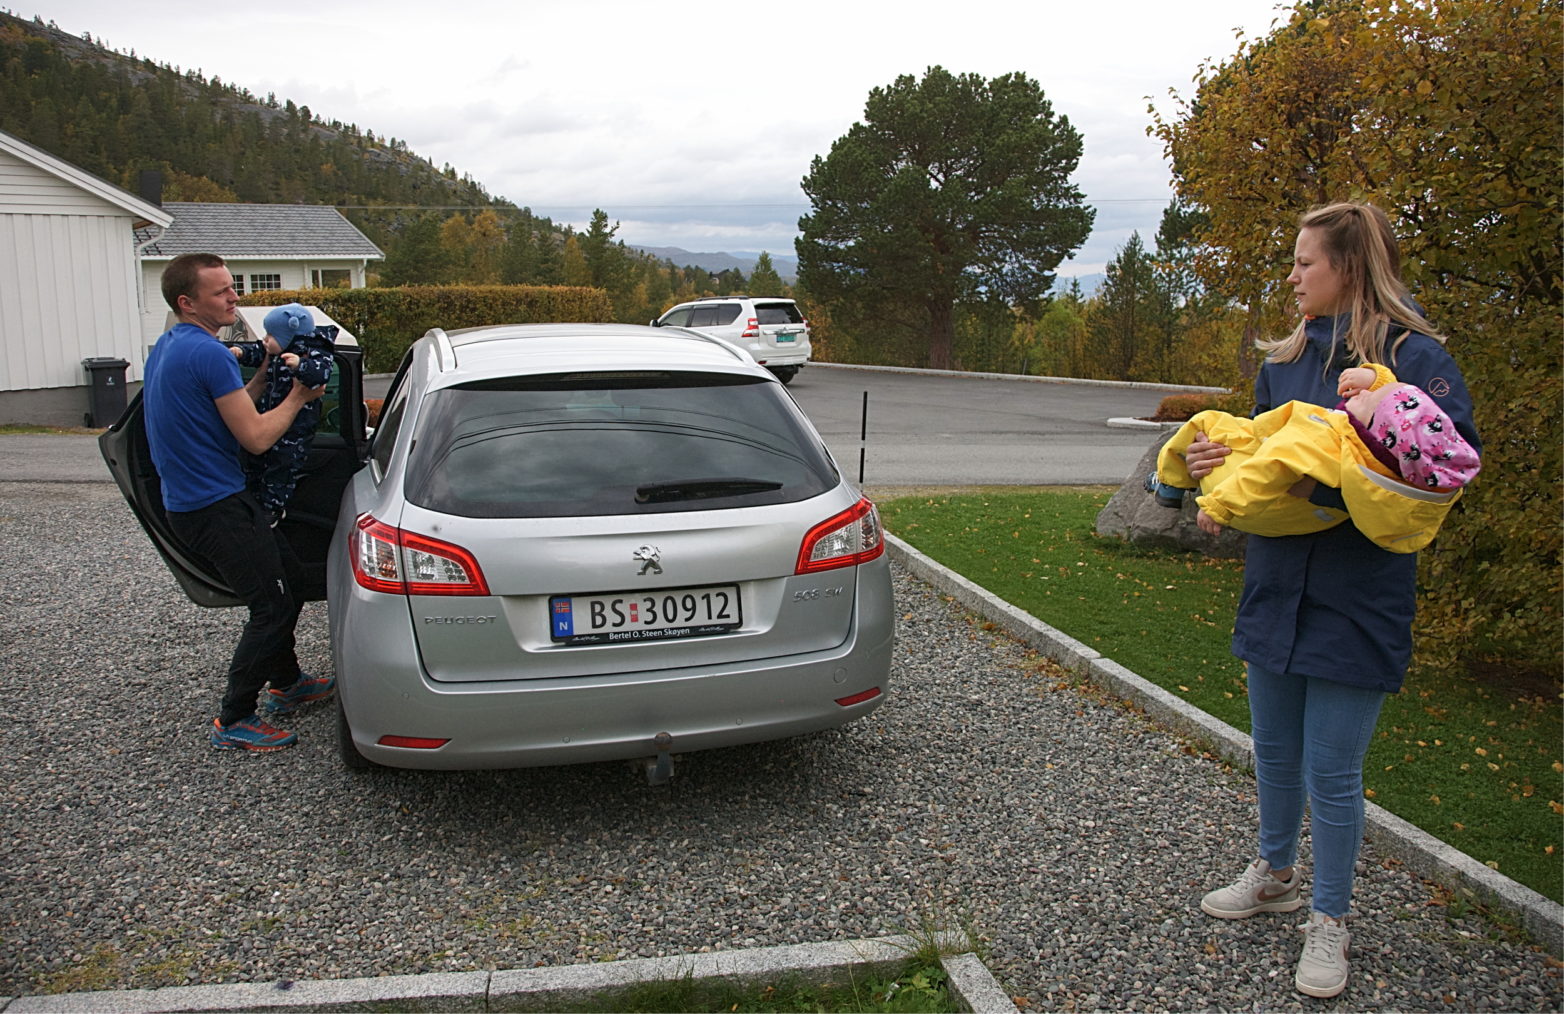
(1089, 283)
(743, 260)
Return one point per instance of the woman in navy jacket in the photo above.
(1325, 621)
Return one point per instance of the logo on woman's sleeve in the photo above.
(1439, 387)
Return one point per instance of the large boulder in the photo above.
(1135, 515)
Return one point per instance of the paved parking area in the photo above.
(1073, 837)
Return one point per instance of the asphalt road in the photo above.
(923, 429)
(961, 430)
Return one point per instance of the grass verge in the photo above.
(1473, 760)
(920, 987)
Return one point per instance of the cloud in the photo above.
(690, 134)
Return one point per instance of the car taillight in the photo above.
(851, 537)
(387, 559)
(752, 328)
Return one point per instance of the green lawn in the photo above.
(920, 989)
(1475, 761)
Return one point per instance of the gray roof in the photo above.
(277, 231)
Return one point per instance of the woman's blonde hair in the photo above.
(1358, 242)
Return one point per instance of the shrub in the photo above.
(1180, 407)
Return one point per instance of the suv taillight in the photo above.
(850, 538)
(387, 559)
(752, 328)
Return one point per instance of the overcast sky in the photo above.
(690, 124)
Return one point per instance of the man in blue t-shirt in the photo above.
(199, 413)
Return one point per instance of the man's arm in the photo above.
(257, 383)
(255, 430)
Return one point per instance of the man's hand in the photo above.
(1208, 524)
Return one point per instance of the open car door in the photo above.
(339, 450)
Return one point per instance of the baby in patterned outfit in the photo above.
(296, 348)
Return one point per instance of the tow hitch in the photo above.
(659, 769)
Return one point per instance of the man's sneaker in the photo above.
(307, 689)
(1167, 496)
(1322, 969)
(1255, 891)
(250, 734)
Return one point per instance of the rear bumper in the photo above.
(536, 722)
(778, 355)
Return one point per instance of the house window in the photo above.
(260, 282)
(331, 278)
(239, 285)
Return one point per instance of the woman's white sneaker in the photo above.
(1322, 968)
(1256, 891)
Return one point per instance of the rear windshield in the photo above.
(595, 444)
(778, 313)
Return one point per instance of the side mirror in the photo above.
(653, 323)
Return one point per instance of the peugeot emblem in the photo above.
(648, 555)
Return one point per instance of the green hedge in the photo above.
(387, 321)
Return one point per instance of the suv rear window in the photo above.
(778, 313)
(585, 444)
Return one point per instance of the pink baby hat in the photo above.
(1429, 451)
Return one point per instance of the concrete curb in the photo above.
(1420, 851)
(1131, 384)
(972, 987)
(1120, 422)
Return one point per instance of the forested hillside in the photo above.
(117, 114)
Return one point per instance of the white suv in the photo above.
(771, 330)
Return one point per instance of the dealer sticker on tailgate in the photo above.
(663, 615)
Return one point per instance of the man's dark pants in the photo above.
(256, 561)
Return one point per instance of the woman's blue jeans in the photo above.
(1310, 738)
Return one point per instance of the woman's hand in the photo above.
(1202, 456)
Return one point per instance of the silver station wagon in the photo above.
(590, 542)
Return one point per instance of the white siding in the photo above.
(27, 190)
(67, 292)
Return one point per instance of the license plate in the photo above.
(665, 614)
(789, 337)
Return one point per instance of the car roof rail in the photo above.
(673, 330)
(713, 299)
(445, 354)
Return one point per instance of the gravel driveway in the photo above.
(1071, 836)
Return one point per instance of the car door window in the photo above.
(704, 316)
(391, 414)
(677, 318)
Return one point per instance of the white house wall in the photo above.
(67, 281)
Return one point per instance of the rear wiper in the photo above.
(700, 489)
